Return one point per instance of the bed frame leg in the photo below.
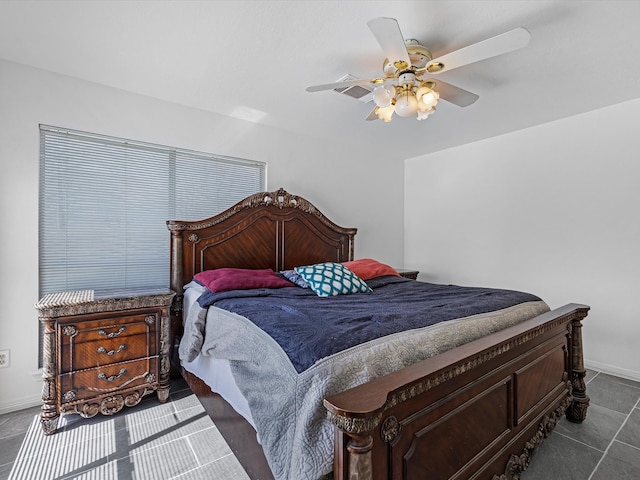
(577, 411)
(359, 448)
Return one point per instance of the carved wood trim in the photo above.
(390, 429)
(361, 425)
(107, 405)
(519, 463)
(279, 199)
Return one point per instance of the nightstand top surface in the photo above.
(111, 297)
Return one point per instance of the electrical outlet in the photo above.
(5, 357)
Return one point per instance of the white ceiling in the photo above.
(254, 59)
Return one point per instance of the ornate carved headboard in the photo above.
(275, 230)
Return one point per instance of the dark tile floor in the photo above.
(605, 447)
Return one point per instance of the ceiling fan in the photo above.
(404, 89)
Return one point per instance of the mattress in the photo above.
(215, 372)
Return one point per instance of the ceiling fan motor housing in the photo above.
(418, 54)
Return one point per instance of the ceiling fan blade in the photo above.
(372, 115)
(491, 47)
(453, 94)
(387, 32)
(344, 84)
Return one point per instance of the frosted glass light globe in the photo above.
(428, 100)
(424, 114)
(385, 113)
(392, 90)
(381, 97)
(406, 104)
(421, 91)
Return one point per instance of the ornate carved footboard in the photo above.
(477, 411)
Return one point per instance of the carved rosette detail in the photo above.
(70, 330)
(111, 405)
(150, 319)
(89, 410)
(132, 399)
(194, 238)
(69, 396)
(390, 429)
(150, 377)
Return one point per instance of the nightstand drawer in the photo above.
(101, 380)
(80, 356)
(107, 328)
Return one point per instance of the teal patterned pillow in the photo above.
(329, 279)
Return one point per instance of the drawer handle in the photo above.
(112, 334)
(112, 352)
(112, 377)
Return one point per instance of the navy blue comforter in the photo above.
(309, 328)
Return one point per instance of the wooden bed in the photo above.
(477, 411)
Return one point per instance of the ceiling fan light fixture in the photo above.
(385, 113)
(382, 96)
(406, 103)
(427, 98)
(407, 61)
(422, 115)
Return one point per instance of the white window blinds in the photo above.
(104, 203)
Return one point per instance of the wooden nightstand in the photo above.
(412, 274)
(103, 350)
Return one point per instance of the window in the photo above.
(104, 203)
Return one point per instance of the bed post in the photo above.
(359, 448)
(176, 282)
(356, 462)
(577, 410)
(176, 261)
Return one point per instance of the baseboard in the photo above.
(612, 370)
(20, 404)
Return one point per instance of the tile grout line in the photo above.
(200, 466)
(193, 451)
(628, 445)
(555, 432)
(606, 450)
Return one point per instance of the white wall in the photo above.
(341, 180)
(553, 210)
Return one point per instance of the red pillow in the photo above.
(367, 268)
(225, 279)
